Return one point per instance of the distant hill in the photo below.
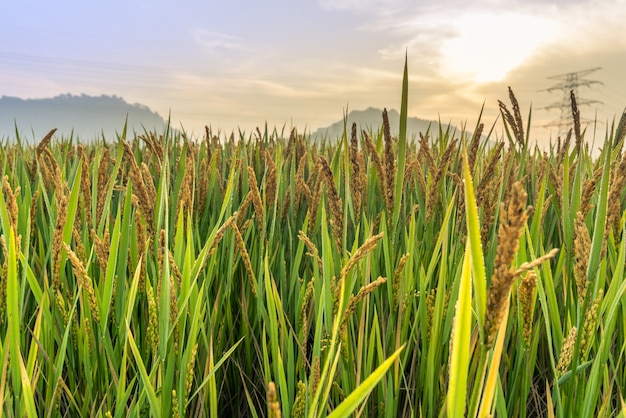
(88, 117)
(372, 119)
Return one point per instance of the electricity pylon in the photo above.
(570, 82)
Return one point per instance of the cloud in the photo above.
(216, 42)
(362, 5)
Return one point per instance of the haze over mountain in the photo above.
(371, 119)
(87, 117)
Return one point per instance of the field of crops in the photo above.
(449, 274)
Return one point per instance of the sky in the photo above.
(243, 63)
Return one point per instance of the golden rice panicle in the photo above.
(103, 183)
(527, 304)
(85, 185)
(299, 404)
(590, 325)
(78, 243)
(315, 374)
(256, 199)
(152, 331)
(567, 350)
(45, 141)
(185, 193)
(154, 145)
(361, 253)
(418, 172)
(316, 197)
(83, 279)
(354, 300)
(557, 184)
(588, 191)
(241, 212)
(489, 173)
(514, 120)
(146, 176)
(582, 249)
(142, 245)
(190, 371)
(397, 276)
(102, 247)
(576, 118)
(270, 180)
(220, 233)
(524, 267)
(487, 190)
(11, 203)
(378, 163)
(174, 314)
(202, 187)
(57, 239)
(302, 188)
(425, 153)
(389, 164)
(620, 132)
(305, 320)
(513, 217)
(564, 150)
(175, 405)
(518, 119)
(313, 251)
(245, 257)
(473, 147)
(618, 181)
(363, 180)
(33, 212)
(355, 179)
(273, 405)
(178, 276)
(432, 201)
(334, 201)
(145, 199)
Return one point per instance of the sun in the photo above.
(487, 46)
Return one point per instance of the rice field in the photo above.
(451, 274)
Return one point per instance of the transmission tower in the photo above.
(570, 82)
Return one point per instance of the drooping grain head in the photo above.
(85, 185)
(245, 257)
(273, 405)
(567, 351)
(576, 118)
(84, 280)
(334, 201)
(473, 147)
(590, 325)
(256, 199)
(618, 182)
(271, 181)
(582, 249)
(356, 187)
(527, 304)
(513, 217)
(389, 164)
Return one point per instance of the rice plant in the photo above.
(451, 274)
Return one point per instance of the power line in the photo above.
(570, 82)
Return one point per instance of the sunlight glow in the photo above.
(486, 46)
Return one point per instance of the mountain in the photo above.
(372, 119)
(88, 117)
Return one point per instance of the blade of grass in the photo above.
(155, 405)
(363, 390)
(460, 356)
(476, 250)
